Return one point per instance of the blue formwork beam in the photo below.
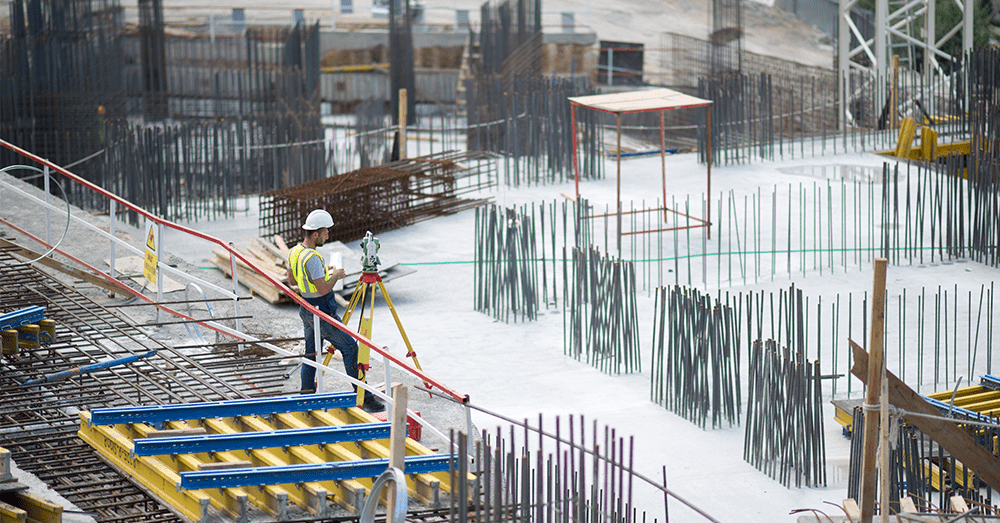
(945, 408)
(21, 317)
(307, 472)
(87, 369)
(261, 440)
(990, 382)
(157, 414)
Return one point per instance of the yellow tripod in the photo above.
(366, 283)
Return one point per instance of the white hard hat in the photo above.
(317, 220)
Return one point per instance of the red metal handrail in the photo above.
(464, 398)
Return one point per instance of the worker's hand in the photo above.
(337, 274)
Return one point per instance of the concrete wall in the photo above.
(347, 89)
(437, 60)
(566, 53)
(821, 14)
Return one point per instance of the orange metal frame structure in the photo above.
(640, 102)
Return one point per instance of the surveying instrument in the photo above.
(369, 277)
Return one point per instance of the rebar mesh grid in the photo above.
(382, 198)
(38, 424)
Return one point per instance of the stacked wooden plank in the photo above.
(271, 258)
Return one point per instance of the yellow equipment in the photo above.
(369, 277)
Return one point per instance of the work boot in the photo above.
(372, 404)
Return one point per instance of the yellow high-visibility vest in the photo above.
(297, 259)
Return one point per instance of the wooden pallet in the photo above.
(258, 284)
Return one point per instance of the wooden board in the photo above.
(94, 279)
(281, 246)
(946, 433)
(247, 276)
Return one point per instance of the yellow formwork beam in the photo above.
(937, 477)
(963, 476)
(310, 496)
(12, 514)
(945, 395)
(844, 418)
(928, 144)
(232, 501)
(349, 494)
(158, 479)
(39, 509)
(355, 68)
(272, 499)
(981, 403)
(907, 131)
(161, 474)
(423, 487)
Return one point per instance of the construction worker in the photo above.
(309, 271)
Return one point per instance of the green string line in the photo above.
(710, 254)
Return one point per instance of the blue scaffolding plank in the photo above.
(945, 408)
(157, 414)
(15, 319)
(302, 473)
(261, 440)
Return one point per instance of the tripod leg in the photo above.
(356, 297)
(410, 353)
(359, 294)
(365, 329)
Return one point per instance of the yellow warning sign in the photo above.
(149, 269)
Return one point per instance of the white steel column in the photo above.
(896, 27)
(843, 58)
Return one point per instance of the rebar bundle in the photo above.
(379, 198)
(530, 123)
(764, 117)
(401, 74)
(60, 66)
(923, 470)
(726, 37)
(193, 170)
(370, 122)
(71, 69)
(549, 228)
(784, 428)
(755, 116)
(696, 357)
(506, 274)
(153, 55)
(603, 315)
(514, 111)
(938, 214)
(575, 477)
(791, 313)
(899, 476)
(510, 38)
